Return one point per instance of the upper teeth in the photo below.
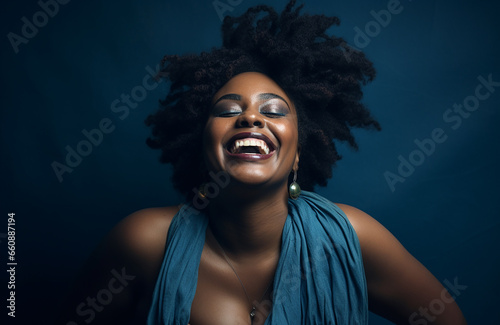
(251, 143)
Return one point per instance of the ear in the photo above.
(296, 162)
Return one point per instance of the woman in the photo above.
(242, 126)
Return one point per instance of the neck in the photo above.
(251, 225)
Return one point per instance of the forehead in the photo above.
(249, 84)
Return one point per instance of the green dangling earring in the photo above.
(294, 188)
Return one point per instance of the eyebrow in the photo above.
(266, 96)
(228, 96)
(263, 96)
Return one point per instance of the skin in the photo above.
(246, 221)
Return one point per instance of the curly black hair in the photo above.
(320, 73)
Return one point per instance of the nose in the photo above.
(250, 119)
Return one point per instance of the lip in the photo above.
(247, 156)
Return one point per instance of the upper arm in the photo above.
(121, 270)
(400, 288)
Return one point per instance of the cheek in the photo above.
(215, 129)
(288, 133)
(212, 138)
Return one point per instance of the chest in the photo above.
(229, 294)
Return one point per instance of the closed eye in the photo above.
(273, 114)
(274, 108)
(228, 114)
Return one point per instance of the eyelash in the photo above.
(273, 114)
(228, 114)
(269, 114)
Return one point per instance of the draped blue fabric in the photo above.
(319, 280)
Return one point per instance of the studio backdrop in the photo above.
(77, 85)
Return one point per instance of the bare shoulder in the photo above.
(366, 227)
(131, 253)
(144, 231)
(357, 217)
(138, 241)
(399, 286)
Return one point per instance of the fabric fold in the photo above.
(319, 279)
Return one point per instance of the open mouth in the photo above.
(250, 144)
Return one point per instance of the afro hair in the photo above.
(320, 73)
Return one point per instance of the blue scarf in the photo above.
(319, 280)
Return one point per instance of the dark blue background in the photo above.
(65, 78)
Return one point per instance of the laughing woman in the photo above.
(243, 126)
